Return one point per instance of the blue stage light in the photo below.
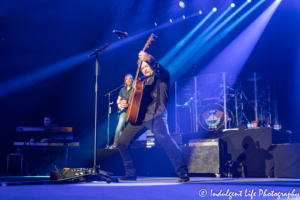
(248, 38)
(171, 20)
(13, 85)
(168, 57)
(197, 49)
(215, 9)
(200, 12)
(181, 4)
(249, 1)
(155, 24)
(183, 17)
(232, 5)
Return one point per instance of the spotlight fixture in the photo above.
(181, 4)
(249, 1)
(215, 9)
(183, 17)
(232, 5)
(200, 12)
(171, 20)
(155, 24)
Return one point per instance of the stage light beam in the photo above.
(189, 51)
(199, 53)
(15, 84)
(197, 49)
(179, 45)
(236, 54)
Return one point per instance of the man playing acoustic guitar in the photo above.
(152, 115)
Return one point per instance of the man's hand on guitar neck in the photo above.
(143, 56)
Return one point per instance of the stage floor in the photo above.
(14, 187)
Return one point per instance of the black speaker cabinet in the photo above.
(14, 164)
(286, 160)
(206, 156)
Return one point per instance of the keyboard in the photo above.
(43, 129)
(64, 133)
(47, 144)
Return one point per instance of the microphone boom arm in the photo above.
(102, 49)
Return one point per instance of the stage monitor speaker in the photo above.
(14, 164)
(206, 156)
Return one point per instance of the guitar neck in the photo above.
(144, 49)
(137, 74)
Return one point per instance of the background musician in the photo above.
(47, 124)
(122, 102)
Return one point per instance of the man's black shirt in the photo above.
(155, 93)
(124, 93)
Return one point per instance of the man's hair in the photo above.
(130, 76)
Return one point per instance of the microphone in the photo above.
(121, 34)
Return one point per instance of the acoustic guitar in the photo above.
(137, 92)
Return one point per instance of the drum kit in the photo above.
(241, 105)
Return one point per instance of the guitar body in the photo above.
(134, 102)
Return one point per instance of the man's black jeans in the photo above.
(159, 127)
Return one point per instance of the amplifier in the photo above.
(206, 142)
(184, 138)
(206, 156)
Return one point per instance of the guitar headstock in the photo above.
(150, 39)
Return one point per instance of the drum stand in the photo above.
(242, 118)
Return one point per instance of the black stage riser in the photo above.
(251, 147)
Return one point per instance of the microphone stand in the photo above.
(95, 173)
(109, 111)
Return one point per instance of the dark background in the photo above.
(45, 69)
